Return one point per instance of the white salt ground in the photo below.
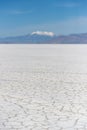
(43, 87)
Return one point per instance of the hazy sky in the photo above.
(19, 17)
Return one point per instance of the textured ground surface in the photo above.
(43, 87)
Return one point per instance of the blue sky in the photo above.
(19, 17)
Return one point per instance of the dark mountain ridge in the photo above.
(36, 38)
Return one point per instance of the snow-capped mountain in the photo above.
(46, 37)
(35, 37)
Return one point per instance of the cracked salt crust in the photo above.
(43, 87)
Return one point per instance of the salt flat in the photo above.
(43, 87)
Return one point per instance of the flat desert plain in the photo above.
(43, 87)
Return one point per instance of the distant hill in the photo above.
(50, 39)
(70, 39)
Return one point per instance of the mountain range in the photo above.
(36, 38)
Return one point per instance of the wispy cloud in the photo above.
(43, 33)
(67, 4)
(15, 12)
(20, 12)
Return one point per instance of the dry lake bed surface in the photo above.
(43, 87)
